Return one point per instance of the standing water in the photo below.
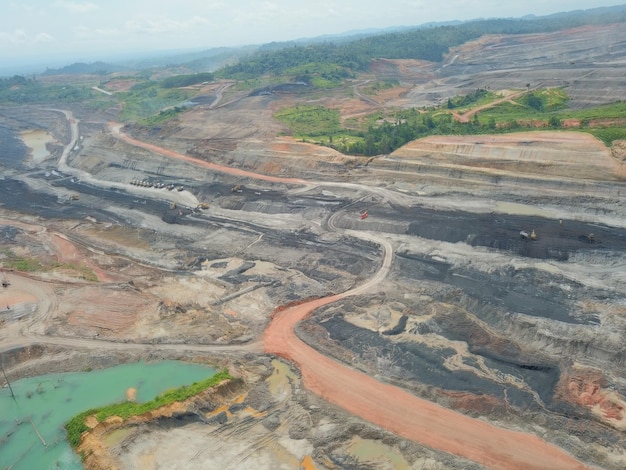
(45, 403)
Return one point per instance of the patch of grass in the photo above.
(607, 134)
(148, 98)
(380, 85)
(310, 121)
(23, 264)
(251, 84)
(76, 426)
(553, 98)
(322, 75)
(615, 110)
(477, 98)
(85, 272)
(342, 140)
(18, 263)
(163, 116)
(322, 82)
(534, 105)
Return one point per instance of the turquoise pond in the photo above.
(49, 401)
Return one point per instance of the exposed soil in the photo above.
(446, 336)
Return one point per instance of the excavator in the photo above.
(363, 215)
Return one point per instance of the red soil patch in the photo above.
(587, 389)
(484, 404)
(68, 253)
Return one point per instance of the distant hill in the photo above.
(82, 68)
(206, 60)
(422, 43)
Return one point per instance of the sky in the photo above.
(49, 31)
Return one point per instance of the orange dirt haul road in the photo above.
(404, 414)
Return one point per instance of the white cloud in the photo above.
(42, 38)
(76, 7)
(83, 32)
(18, 36)
(164, 25)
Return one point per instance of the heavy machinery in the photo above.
(363, 215)
(528, 236)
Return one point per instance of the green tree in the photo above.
(534, 102)
(554, 122)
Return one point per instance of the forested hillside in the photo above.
(424, 43)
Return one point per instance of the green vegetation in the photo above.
(532, 105)
(18, 263)
(382, 133)
(375, 87)
(420, 43)
(608, 134)
(23, 264)
(79, 68)
(320, 75)
(186, 80)
(310, 121)
(85, 272)
(76, 426)
(480, 96)
(162, 116)
(148, 98)
(615, 110)
(21, 90)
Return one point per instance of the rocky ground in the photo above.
(525, 334)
